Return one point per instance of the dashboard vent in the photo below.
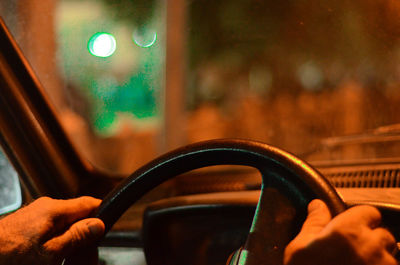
(369, 178)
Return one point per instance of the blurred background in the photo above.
(132, 79)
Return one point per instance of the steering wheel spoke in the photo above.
(273, 227)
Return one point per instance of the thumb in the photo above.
(81, 234)
(318, 217)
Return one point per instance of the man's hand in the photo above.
(352, 238)
(47, 230)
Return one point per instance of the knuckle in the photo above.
(345, 235)
(383, 236)
(89, 201)
(86, 198)
(373, 211)
(47, 226)
(44, 204)
(43, 200)
(387, 234)
(78, 234)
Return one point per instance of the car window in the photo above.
(10, 190)
(101, 66)
(294, 73)
(133, 79)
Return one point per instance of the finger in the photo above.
(363, 214)
(77, 208)
(81, 234)
(385, 238)
(318, 217)
(62, 213)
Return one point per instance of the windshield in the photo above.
(133, 79)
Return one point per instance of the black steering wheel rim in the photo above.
(216, 152)
(278, 168)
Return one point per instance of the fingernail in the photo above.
(96, 228)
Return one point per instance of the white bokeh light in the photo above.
(102, 45)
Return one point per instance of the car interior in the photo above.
(206, 127)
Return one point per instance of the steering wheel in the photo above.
(288, 185)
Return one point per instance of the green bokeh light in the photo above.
(123, 87)
(102, 44)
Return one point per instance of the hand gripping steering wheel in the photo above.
(288, 185)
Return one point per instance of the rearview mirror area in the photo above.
(10, 189)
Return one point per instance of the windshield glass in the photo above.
(133, 79)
